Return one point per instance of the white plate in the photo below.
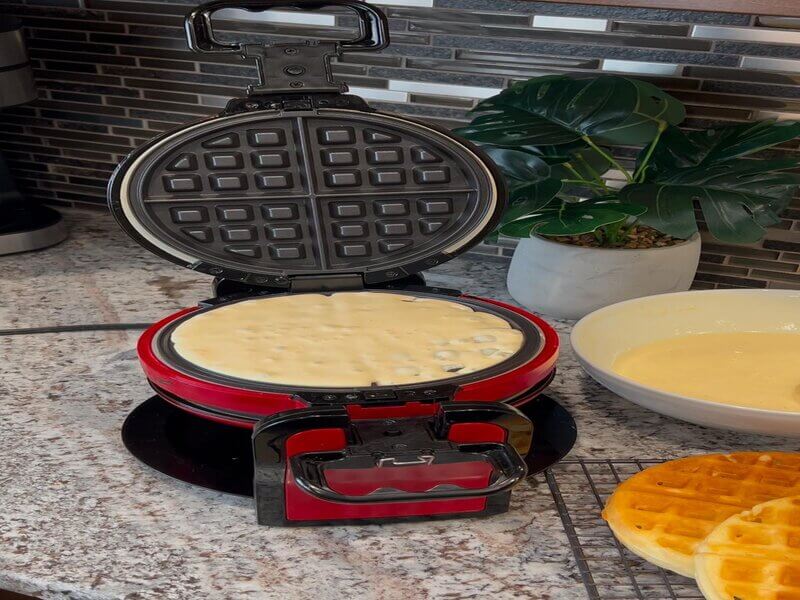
(601, 336)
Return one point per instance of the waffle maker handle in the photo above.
(309, 474)
(321, 465)
(373, 27)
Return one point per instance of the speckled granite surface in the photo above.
(81, 519)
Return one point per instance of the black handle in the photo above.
(373, 27)
(309, 474)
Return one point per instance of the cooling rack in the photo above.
(608, 570)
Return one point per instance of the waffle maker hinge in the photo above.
(326, 283)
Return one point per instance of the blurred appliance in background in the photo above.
(24, 224)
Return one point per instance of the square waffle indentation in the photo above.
(790, 576)
(435, 206)
(347, 209)
(393, 227)
(283, 232)
(431, 175)
(266, 137)
(340, 157)
(238, 233)
(336, 135)
(384, 156)
(273, 181)
(234, 213)
(182, 183)
(224, 160)
(391, 208)
(387, 176)
(342, 178)
(269, 159)
(189, 214)
(352, 249)
(227, 183)
(286, 251)
(278, 212)
(349, 230)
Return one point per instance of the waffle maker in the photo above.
(301, 188)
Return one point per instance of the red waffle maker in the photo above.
(300, 188)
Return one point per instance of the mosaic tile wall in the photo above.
(112, 73)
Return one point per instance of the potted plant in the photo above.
(585, 243)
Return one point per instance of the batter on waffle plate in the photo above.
(664, 512)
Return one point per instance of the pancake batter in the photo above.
(755, 369)
(347, 339)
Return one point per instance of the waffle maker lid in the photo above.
(300, 186)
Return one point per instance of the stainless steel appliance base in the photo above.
(49, 232)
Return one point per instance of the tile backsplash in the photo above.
(113, 73)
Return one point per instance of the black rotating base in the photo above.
(220, 457)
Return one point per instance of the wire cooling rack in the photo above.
(609, 571)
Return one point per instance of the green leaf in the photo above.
(559, 109)
(626, 208)
(518, 165)
(586, 161)
(529, 198)
(514, 127)
(521, 228)
(738, 198)
(668, 209)
(678, 150)
(540, 191)
(561, 217)
(746, 138)
(573, 221)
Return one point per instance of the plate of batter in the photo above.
(720, 358)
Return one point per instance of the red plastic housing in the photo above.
(301, 506)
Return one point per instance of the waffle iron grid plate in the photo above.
(262, 197)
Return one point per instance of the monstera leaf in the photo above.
(738, 198)
(518, 164)
(529, 184)
(527, 175)
(582, 158)
(563, 217)
(678, 150)
(587, 162)
(559, 109)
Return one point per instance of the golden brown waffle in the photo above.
(754, 555)
(664, 512)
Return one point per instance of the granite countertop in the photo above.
(80, 518)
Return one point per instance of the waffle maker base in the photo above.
(219, 457)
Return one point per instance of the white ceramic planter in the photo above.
(569, 282)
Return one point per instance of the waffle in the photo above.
(663, 513)
(754, 555)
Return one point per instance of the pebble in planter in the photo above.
(584, 243)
